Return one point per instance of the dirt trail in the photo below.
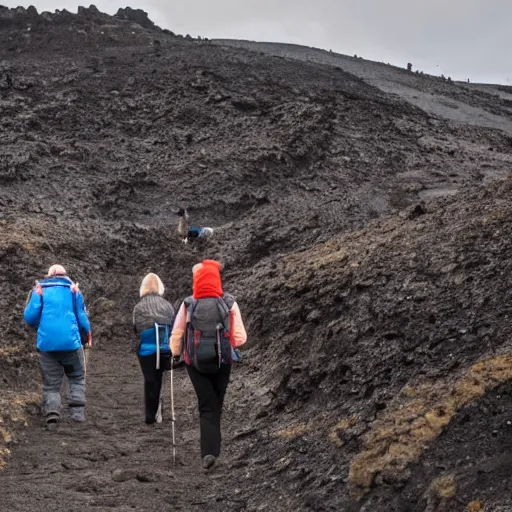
(116, 462)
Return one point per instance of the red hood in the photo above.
(206, 281)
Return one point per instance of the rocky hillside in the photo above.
(364, 230)
(474, 104)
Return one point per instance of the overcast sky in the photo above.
(458, 38)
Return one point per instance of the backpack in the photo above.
(73, 288)
(208, 336)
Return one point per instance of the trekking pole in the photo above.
(86, 361)
(172, 413)
(157, 347)
(158, 416)
(86, 350)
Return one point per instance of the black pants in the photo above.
(153, 382)
(210, 391)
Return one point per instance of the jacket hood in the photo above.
(206, 281)
(57, 280)
(151, 284)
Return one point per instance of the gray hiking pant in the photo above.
(54, 365)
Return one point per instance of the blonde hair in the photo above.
(56, 270)
(151, 284)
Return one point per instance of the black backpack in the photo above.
(208, 337)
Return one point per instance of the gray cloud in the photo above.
(458, 38)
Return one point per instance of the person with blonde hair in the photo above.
(56, 308)
(153, 317)
(207, 327)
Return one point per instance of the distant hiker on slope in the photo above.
(187, 232)
(153, 317)
(56, 308)
(210, 324)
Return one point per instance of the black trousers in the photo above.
(153, 383)
(210, 390)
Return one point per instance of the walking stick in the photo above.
(157, 347)
(86, 360)
(172, 414)
(158, 416)
(86, 350)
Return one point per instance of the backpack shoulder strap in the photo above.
(74, 292)
(190, 306)
(165, 328)
(39, 291)
(224, 304)
(190, 303)
(229, 300)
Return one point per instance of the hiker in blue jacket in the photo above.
(56, 308)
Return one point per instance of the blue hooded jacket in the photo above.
(57, 313)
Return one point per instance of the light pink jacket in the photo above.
(238, 333)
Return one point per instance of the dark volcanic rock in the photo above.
(20, 17)
(367, 242)
(135, 15)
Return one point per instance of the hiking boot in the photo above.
(52, 420)
(78, 415)
(208, 461)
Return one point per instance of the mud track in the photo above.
(116, 462)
